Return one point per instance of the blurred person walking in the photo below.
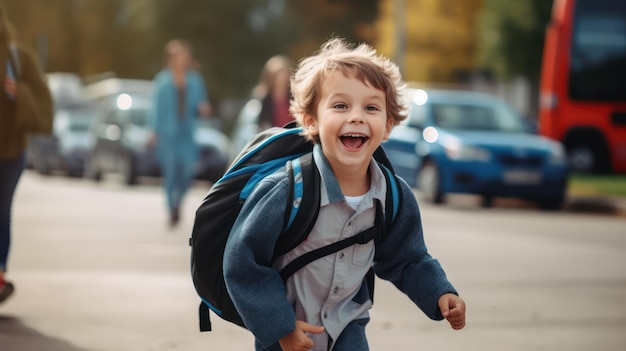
(25, 107)
(274, 92)
(179, 98)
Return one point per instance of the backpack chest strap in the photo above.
(364, 237)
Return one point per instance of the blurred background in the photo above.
(515, 145)
(433, 41)
(98, 48)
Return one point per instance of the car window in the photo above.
(110, 118)
(72, 120)
(417, 115)
(79, 125)
(476, 117)
(138, 117)
(80, 119)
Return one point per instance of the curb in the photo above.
(601, 205)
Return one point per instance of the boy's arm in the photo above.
(403, 259)
(255, 287)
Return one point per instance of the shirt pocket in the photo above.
(363, 255)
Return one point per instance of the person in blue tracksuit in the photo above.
(347, 100)
(179, 98)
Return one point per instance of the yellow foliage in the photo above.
(440, 39)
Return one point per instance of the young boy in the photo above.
(347, 100)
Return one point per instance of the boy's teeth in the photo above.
(353, 141)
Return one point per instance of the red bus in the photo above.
(582, 99)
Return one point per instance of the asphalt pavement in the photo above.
(97, 268)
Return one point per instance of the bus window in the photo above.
(598, 52)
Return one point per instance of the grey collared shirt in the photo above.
(323, 291)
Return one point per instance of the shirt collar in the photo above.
(330, 190)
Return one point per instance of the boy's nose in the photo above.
(356, 117)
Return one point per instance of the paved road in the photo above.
(96, 268)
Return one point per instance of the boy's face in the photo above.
(351, 121)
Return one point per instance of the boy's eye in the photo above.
(340, 106)
(372, 108)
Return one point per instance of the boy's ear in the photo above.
(310, 123)
(388, 127)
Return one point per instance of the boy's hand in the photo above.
(453, 309)
(297, 340)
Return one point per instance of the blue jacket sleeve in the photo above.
(156, 108)
(203, 95)
(403, 259)
(255, 287)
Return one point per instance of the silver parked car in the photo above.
(66, 148)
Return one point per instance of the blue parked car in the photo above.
(466, 142)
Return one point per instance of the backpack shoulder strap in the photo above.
(393, 198)
(303, 203)
(394, 191)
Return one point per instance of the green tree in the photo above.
(231, 39)
(512, 35)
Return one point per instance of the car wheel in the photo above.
(129, 170)
(93, 172)
(554, 203)
(588, 157)
(41, 166)
(486, 201)
(428, 181)
(582, 159)
(75, 173)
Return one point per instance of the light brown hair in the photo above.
(361, 61)
(267, 79)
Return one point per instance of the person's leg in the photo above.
(10, 171)
(176, 193)
(259, 347)
(183, 177)
(168, 169)
(188, 168)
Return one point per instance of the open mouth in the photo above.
(353, 141)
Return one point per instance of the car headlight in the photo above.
(460, 152)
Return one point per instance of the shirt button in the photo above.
(336, 289)
(325, 314)
(349, 223)
(341, 256)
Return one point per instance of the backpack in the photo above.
(264, 154)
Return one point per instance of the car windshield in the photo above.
(80, 120)
(476, 117)
(74, 120)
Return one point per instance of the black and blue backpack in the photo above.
(264, 154)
